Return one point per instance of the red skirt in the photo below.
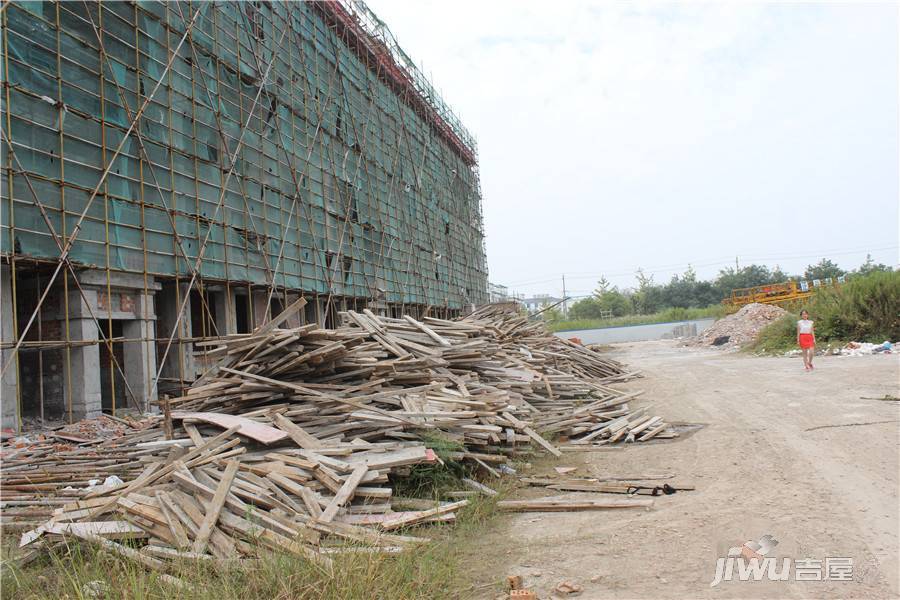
(806, 340)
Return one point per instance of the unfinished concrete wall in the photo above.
(9, 383)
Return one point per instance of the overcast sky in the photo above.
(614, 136)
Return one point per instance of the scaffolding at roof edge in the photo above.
(379, 32)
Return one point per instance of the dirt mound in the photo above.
(740, 328)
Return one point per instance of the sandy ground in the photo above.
(777, 456)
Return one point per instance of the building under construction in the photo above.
(180, 171)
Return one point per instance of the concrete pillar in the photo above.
(259, 307)
(140, 357)
(9, 402)
(140, 360)
(83, 371)
(320, 311)
(223, 308)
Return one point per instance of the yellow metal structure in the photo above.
(779, 293)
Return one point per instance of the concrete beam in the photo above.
(9, 386)
(116, 280)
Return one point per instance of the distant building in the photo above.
(540, 301)
(498, 293)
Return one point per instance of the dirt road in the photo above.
(800, 456)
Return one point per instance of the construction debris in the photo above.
(740, 328)
(292, 441)
(630, 488)
(567, 588)
(866, 348)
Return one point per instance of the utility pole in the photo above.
(565, 304)
(736, 266)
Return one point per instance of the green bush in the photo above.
(865, 309)
(778, 336)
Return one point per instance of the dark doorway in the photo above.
(277, 306)
(112, 384)
(203, 315)
(242, 313)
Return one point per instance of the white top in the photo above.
(804, 326)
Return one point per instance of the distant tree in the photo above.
(870, 266)
(680, 291)
(823, 269)
(616, 302)
(648, 298)
(778, 276)
(586, 308)
(705, 294)
(552, 314)
(749, 276)
(606, 299)
(603, 286)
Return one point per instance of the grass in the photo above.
(431, 481)
(716, 311)
(865, 309)
(430, 570)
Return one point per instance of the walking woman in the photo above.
(806, 339)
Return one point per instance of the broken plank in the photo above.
(259, 432)
(344, 494)
(215, 507)
(569, 505)
(412, 519)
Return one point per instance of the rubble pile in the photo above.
(294, 440)
(740, 328)
(866, 348)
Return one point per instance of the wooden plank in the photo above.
(175, 525)
(245, 427)
(222, 545)
(146, 561)
(540, 440)
(215, 507)
(570, 505)
(106, 529)
(345, 494)
(427, 330)
(304, 493)
(193, 433)
(297, 433)
(479, 487)
(532, 434)
(411, 519)
(364, 534)
(390, 459)
(310, 392)
(283, 316)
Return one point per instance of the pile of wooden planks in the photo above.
(292, 440)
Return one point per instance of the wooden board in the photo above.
(263, 434)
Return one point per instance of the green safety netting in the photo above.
(334, 178)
